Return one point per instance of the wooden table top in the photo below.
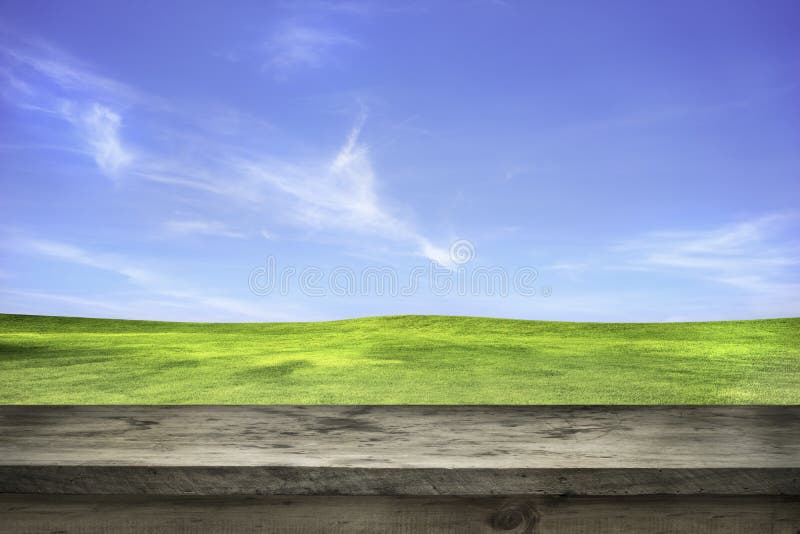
(400, 450)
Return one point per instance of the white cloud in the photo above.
(746, 254)
(155, 291)
(361, 8)
(107, 262)
(438, 255)
(101, 126)
(747, 269)
(294, 45)
(199, 227)
(65, 71)
(335, 194)
(182, 306)
(756, 258)
(567, 267)
(98, 127)
(72, 300)
(86, 100)
(340, 194)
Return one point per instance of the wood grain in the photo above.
(406, 515)
(400, 450)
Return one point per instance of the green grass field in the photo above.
(398, 360)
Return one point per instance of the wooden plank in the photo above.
(400, 450)
(254, 480)
(403, 436)
(353, 515)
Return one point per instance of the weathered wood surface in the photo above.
(399, 450)
(361, 515)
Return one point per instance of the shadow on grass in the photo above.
(274, 372)
(44, 355)
(108, 371)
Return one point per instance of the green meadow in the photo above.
(397, 360)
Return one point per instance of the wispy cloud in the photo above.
(72, 254)
(746, 254)
(575, 267)
(46, 80)
(295, 45)
(749, 266)
(101, 127)
(341, 194)
(180, 306)
(664, 114)
(360, 7)
(99, 306)
(335, 192)
(156, 290)
(200, 227)
(63, 70)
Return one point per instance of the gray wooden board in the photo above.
(400, 450)
(81, 514)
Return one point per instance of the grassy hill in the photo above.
(398, 360)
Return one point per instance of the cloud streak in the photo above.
(101, 126)
(63, 71)
(46, 80)
(199, 227)
(157, 290)
(341, 194)
(335, 193)
(106, 262)
(294, 46)
(745, 254)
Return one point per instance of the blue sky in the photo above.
(643, 158)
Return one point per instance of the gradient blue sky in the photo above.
(644, 157)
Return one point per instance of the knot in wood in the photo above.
(514, 516)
